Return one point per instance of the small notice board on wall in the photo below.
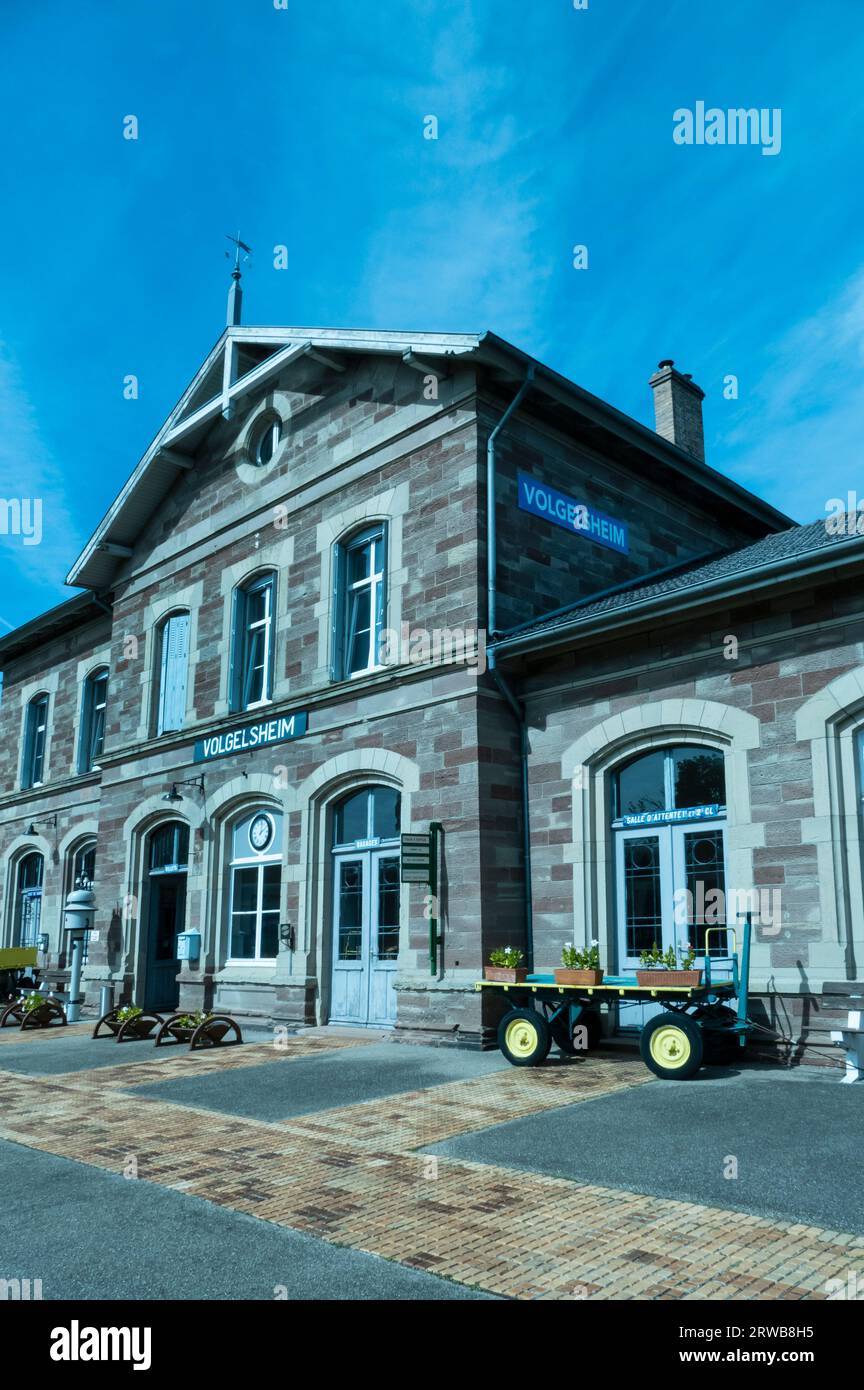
(416, 858)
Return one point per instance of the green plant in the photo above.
(668, 960)
(33, 1001)
(193, 1020)
(507, 957)
(575, 959)
(128, 1011)
(661, 960)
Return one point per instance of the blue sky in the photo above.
(304, 126)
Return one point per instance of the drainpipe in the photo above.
(491, 624)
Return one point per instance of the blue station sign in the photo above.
(251, 736)
(578, 517)
(671, 817)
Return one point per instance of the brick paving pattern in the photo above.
(354, 1176)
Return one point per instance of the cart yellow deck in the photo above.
(17, 957)
(605, 991)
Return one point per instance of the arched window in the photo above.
(28, 899)
(359, 602)
(173, 664)
(252, 642)
(169, 848)
(94, 697)
(255, 885)
(81, 865)
(35, 740)
(667, 780)
(367, 816)
(668, 808)
(81, 873)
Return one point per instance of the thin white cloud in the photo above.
(27, 470)
(807, 411)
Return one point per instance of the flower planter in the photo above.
(506, 975)
(46, 1015)
(218, 1030)
(659, 979)
(139, 1028)
(182, 1031)
(565, 976)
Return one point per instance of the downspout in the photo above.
(491, 624)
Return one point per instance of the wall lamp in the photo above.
(51, 820)
(174, 795)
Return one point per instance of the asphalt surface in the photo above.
(277, 1090)
(797, 1138)
(88, 1234)
(50, 1057)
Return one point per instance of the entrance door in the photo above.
(167, 915)
(365, 937)
(671, 890)
(168, 857)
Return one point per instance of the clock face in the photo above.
(261, 833)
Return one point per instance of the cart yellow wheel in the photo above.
(672, 1046)
(524, 1037)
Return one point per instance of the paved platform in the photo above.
(134, 1240)
(583, 1179)
(789, 1142)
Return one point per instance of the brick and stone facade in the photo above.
(378, 430)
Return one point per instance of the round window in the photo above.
(266, 443)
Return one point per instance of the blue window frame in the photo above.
(359, 602)
(35, 741)
(252, 643)
(94, 698)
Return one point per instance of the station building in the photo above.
(629, 695)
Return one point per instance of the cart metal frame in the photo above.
(707, 1006)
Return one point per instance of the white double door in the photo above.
(365, 936)
(671, 887)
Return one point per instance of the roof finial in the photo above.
(235, 293)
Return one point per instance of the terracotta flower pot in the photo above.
(566, 976)
(658, 979)
(505, 974)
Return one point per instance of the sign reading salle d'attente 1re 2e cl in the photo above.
(561, 510)
(251, 736)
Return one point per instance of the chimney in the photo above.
(678, 409)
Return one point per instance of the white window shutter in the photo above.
(175, 662)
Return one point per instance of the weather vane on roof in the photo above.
(235, 294)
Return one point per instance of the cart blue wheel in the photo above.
(524, 1037)
(672, 1046)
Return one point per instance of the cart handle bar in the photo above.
(709, 930)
